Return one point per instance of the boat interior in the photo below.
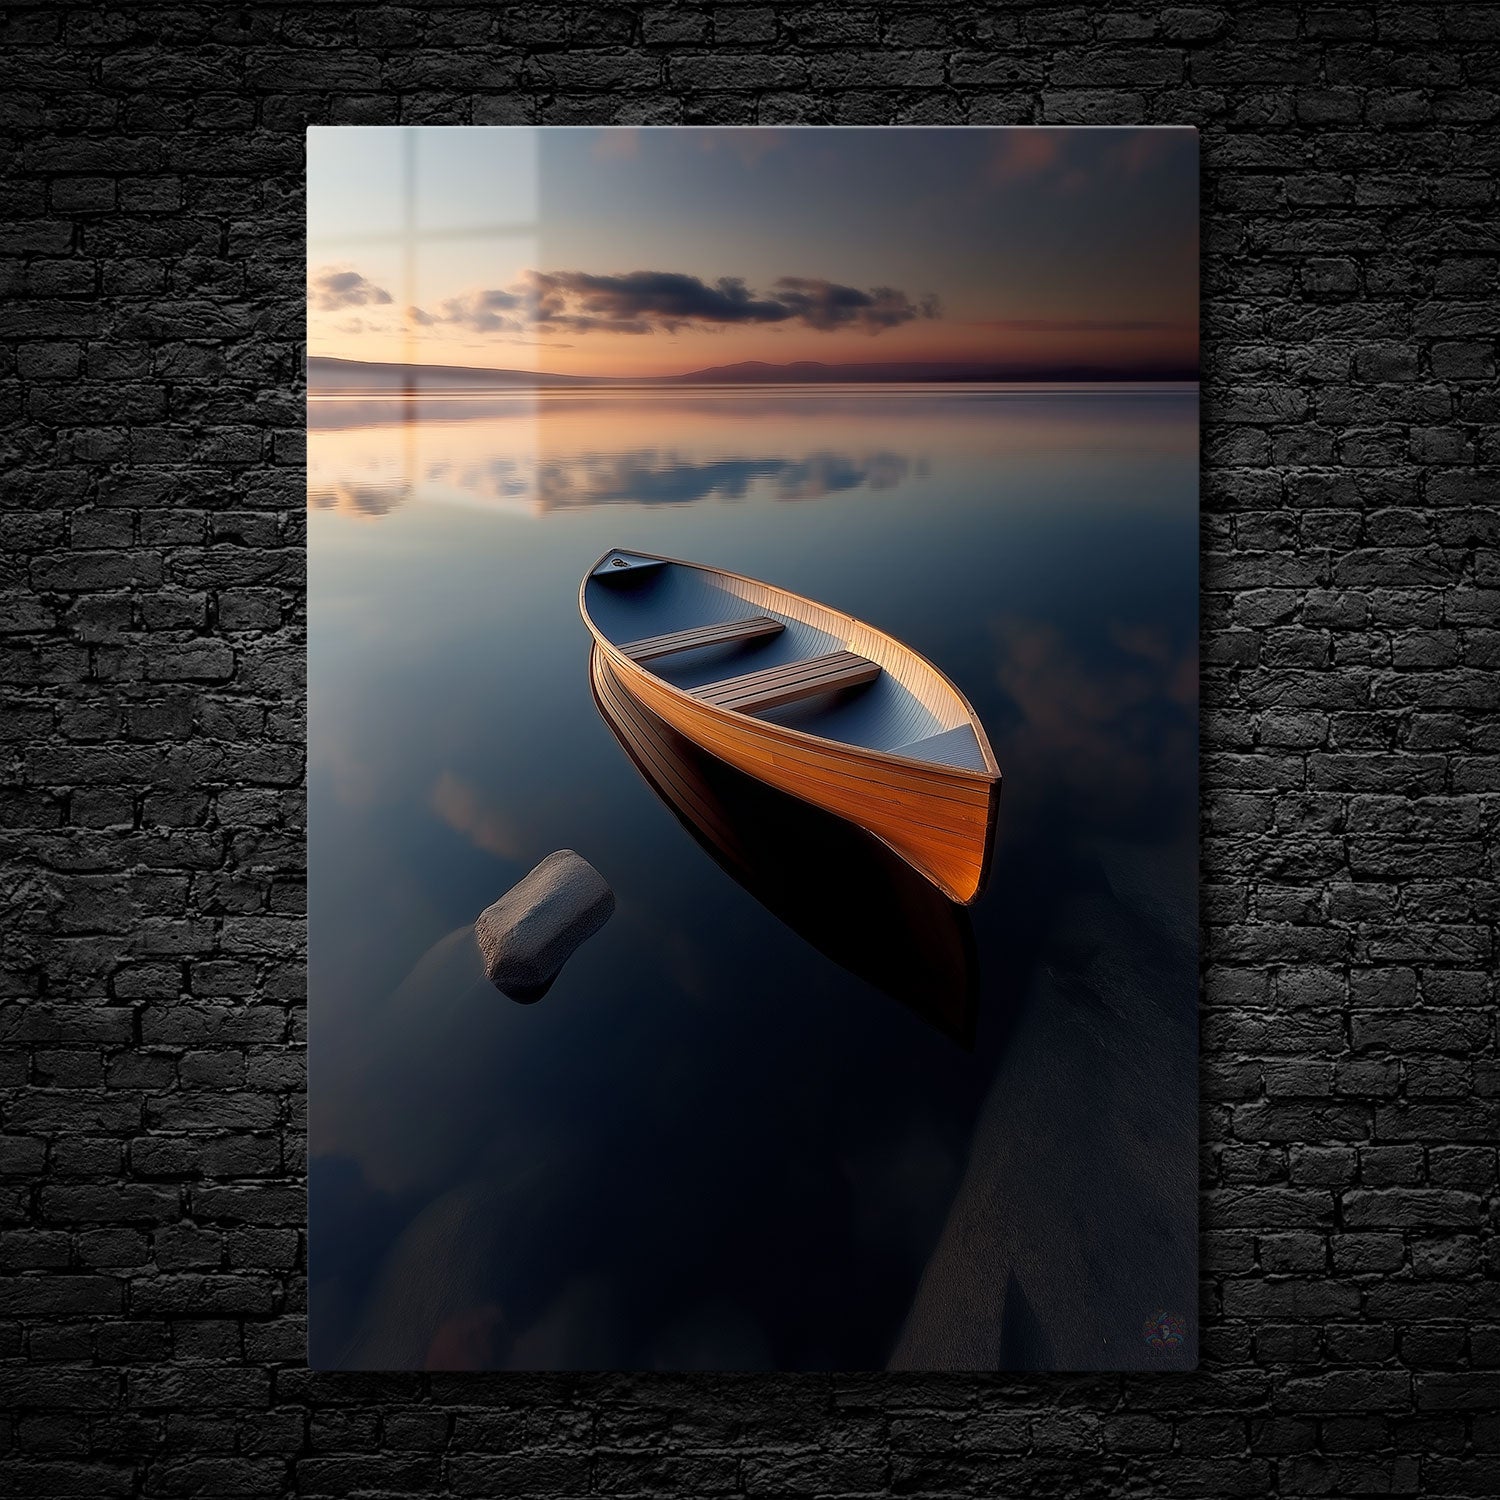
(750, 648)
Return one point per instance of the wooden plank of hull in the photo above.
(940, 821)
(888, 923)
(952, 796)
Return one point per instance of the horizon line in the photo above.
(916, 372)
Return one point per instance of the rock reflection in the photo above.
(830, 882)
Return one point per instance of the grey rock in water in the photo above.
(531, 931)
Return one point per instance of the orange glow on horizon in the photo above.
(621, 355)
(650, 253)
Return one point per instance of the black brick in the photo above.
(151, 599)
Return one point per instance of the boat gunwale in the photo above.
(965, 894)
(992, 776)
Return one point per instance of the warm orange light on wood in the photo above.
(940, 819)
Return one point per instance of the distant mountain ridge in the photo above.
(326, 374)
(329, 376)
(907, 371)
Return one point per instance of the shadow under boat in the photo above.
(833, 884)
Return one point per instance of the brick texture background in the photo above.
(151, 723)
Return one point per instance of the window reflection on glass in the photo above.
(398, 217)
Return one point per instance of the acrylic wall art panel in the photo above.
(753, 748)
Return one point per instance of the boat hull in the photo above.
(940, 821)
(832, 884)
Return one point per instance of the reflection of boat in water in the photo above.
(807, 699)
(830, 882)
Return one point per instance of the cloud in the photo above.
(1078, 325)
(1022, 154)
(1180, 682)
(462, 807)
(617, 143)
(364, 501)
(334, 287)
(355, 781)
(642, 302)
(634, 302)
(645, 476)
(1051, 158)
(751, 143)
(652, 477)
(481, 312)
(1140, 150)
(825, 305)
(1115, 729)
(821, 474)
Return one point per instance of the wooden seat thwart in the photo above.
(775, 686)
(649, 647)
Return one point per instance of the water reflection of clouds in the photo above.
(445, 1250)
(1112, 725)
(543, 452)
(352, 779)
(380, 416)
(650, 477)
(363, 499)
(463, 808)
(644, 476)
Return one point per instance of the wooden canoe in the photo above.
(807, 699)
(834, 885)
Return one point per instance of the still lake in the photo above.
(742, 1131)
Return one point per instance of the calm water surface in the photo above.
(779, 1112)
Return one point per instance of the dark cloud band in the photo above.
(641, 302)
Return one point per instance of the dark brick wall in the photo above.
(151, 721)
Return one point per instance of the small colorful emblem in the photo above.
(1165, 1330)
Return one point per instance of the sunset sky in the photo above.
(648, 252)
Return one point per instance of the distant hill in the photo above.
(328, 376)
(814, 372)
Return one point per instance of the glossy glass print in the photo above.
(820, 1094)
